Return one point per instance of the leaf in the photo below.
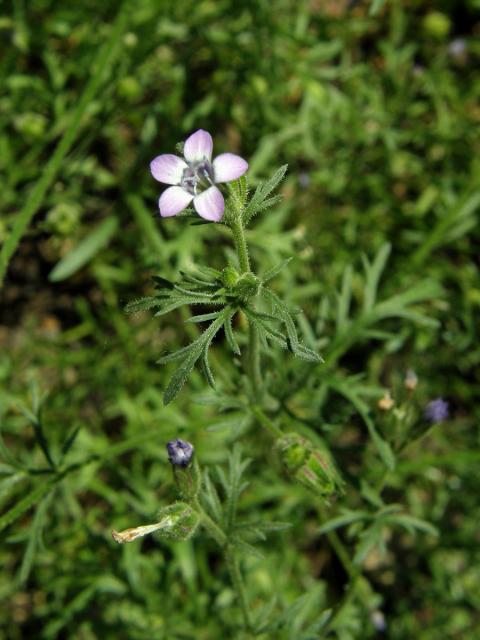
(411, 524)
(271, 273)
(348, 391)
(144, 304)
(84, 251)
(34, 536)
(373, 274)
(230, 337)
(234, 486)
(259, 198)
(344, 299)
(375, 6)
(191, 354)
(210, 495)
(26, 503)
(294, 344)
(342, 521)
(204, 317)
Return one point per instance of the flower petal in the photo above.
(173, 200)
(228, 166)
(168, 168)
(198, 146)
(210, 204)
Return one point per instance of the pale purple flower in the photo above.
(457, 48)
(194, 177)
(180, 452)
(436, 411)
(378, 621)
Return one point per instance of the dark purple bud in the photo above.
(180, 452)
(436, 411)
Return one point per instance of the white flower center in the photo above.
(197, 177)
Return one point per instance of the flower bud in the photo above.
(311, 465)
(230, 277)
(180, 452)
(186, 473)
(247, 286)
(176, 522)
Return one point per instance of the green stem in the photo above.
(213, 529)
(232, 561)
(237, 581)
(254, 366)
(343, 603)
(240, 244)
(265, 421)
(253, 362)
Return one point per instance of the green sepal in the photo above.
(311, 465)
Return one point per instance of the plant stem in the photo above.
(213, 529)
(254, 367)
(232, 561)
(253, 362)
(240, 244)
(237, 580)
(265, 421)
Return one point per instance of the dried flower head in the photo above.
(194, 177)
(178, 521)
(387, 402)
(411, 380)
(180, 452)
(436, 411)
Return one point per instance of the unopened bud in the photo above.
(186, 473)
(176, 522)
(230, 277)
(311, 465)
(180, 452)
(247, 287)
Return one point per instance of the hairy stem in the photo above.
(253, 361)
(240, 244)
(265, 421)
(237, 581)
(213, 529)
(228, 549)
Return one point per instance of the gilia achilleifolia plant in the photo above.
(219, 192)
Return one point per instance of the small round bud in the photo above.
(230, 277)
(180, 452)
(247, 286)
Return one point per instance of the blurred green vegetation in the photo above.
(377, 115)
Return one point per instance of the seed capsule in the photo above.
(310, 465)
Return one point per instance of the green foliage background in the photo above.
(376, 114)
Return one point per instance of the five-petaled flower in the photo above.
(194, 177)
